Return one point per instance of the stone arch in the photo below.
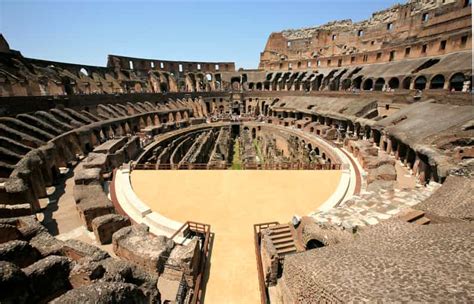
(357, 82)
(314, 244)
(406, 83)
(346, 84)
(379, 84)
(394, 83)
(437, 82)
(368, 84)
(420, 83)
(456, 82)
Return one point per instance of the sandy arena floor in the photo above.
(231, 202)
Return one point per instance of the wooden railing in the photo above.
(204, 231)
(247, 166)
(257, 228)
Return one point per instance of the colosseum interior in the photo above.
(341, 170)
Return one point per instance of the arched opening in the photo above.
(420, 83)
(235, 81)
(406, 83)
(163, 87)
(251, 85)
(84, 72)
(357, 83)
(394, 83)
(456, 82)
(259, 86)
(254, 133)
(314, 244)
(346, 84)
(379, 83)
(437, 82)
(368, 84)
(316, 150)
(67, 86)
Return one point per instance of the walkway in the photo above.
(231, 202)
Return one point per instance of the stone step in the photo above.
(283, 240)
(280, 236)
(285, 245)
(279, 228)
(422, 221)
(412, 215)
(286, 251)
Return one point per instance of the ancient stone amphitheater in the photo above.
(340, 170)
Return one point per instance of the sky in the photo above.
(87, 31)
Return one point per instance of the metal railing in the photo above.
(257, 228)
(246, 166)
(204, 231)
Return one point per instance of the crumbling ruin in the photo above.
(388, 101)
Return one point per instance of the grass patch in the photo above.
(236, 163)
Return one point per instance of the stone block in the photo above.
(18, 252)
(91, 208)
(14, 210)
(87, 176)
(102, 293)
(13, 284)
(82, 192)
(9, 233)
(48, 278)
(137, 245)
(46, 244)
(106, 225)
(75, 250)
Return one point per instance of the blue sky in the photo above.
(227, 30)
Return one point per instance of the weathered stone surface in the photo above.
(18, 252)
(123, 271)
(137, 245)
(85, 271)
(185, 257)
(399, 258)
(91, 208)
(95, 160)
(29, 226)
(9, 233)
(106, 225)
(46, 244)
(14, 210)
(13, 284)
(454, 199)
(378, 185)
(384, 172)
(84, 192)
(87, 176)
(48, 277)
(104, 293)
(75, 249)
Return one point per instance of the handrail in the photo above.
(246, 166)
(257, 228)
(205, 230)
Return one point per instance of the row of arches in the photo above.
(457, 82)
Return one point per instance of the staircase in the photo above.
(283, 240)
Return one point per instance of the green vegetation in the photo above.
(236, 163)
(259, 151)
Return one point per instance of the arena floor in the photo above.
(231, 202)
